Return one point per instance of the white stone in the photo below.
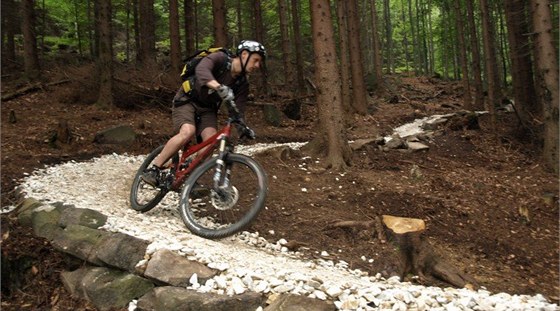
(237, 286)
(262, 287)
(221, 281)
(351, 303)
(193, 279)
(283, 288)
(334, 291)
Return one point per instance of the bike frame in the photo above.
(218, 139)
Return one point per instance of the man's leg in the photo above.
(152, 175)
(208, 132)
(175, 143)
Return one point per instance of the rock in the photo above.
(171, 268)
(284, 288)
(106, 288)
(72, 281)
(237, 286)
(83, 217)
(44, 220)
(416, 146)
(25, 209)
(80, 241)
(111, 248)
(119, 135)
(297, 303)
(168, 298)
(395, 142)
(334, 291)
(360, 143)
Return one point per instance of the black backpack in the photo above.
(188, 73)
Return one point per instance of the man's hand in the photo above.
(225, 93)
(249, 133)
(243, 130)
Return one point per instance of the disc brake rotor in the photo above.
(227, 200)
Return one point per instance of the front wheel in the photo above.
(218, 213)
(144, 197)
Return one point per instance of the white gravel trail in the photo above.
(247, 261)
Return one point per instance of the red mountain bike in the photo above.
(219, 196)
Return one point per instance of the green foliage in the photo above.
(70, 23)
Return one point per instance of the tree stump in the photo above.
(418, 256)
(272, 115)
(63, 133)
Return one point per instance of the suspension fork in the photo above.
(220, 166)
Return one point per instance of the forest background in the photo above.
(501, 50)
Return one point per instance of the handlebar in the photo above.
(235, 118)
(232, 109)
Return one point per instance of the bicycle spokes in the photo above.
(220, 200)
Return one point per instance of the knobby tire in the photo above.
(140, 188)
(249, 188)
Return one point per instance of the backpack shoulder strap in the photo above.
(227, 63)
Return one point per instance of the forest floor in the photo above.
(490, 206)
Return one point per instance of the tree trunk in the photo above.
(388, 35)
(147, 28)
(377, 59)
(174, 36)
(328, 86)
(9, 26)
(285, 38)
(136, 27)
(359, 100)
(447, 39)
(547, 67)
(463, 55)
(105, 60)
(346, 99)
(430, 38)
(475, 49)
(300, 86)
(77, 28)
(128, 5)
(521, 64)
(405, 37)
(240, 21)
(219, 14)
(490, 61)
(505, 62)
(262, 81)
(413, 28)
(190, 30)
(93, 47)
(31, 59)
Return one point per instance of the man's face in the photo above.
(255, 61)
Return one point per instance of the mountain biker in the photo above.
(198, 113)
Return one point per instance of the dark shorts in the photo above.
(186, 111)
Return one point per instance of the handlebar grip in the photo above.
(232, 107)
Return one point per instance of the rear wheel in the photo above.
(144, 197)
(216, 214)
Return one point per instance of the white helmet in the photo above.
(252, 47)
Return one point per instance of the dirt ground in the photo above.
(490, 206)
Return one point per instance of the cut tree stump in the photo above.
(418, 256)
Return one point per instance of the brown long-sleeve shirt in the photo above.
(205, 72)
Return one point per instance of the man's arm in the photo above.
(206, 66)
